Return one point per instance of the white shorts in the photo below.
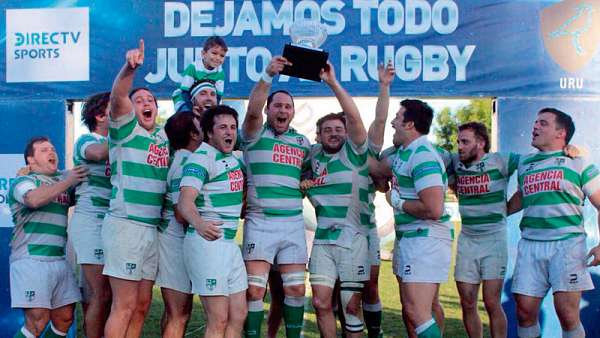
(42, 284)
(171, 268)
(334, 261)
(374, 247)
(216, 268)
(422, 259)
(481, 258)
(85, 233)
(267, 240)
(130, 249)
(560, 265)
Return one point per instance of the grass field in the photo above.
(388, 289)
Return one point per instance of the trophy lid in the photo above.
(309, 33)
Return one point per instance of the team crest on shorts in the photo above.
(407, 270)
(30, 295)
(130, 267)
(98, 253)
(211, 283)
(250, 247)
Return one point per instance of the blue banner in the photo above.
(515, 123)
(69, 49)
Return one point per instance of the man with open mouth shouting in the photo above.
(274, 227)
(139, 158)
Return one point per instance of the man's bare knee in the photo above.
(295, 290)
(255, 292)
(321, 304)
(36, 320)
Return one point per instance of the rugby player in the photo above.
(210, 200)
(139, 158)
(340, 248)
(552, 251)
(93, 195)
(274, 155)
(42, 282)
(182, 129)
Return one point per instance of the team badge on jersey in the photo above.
(30, 295)
(211, 283)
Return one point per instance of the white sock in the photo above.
(577, 332)
(56, 331)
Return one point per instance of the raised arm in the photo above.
(120, 104)
(377, 128)
(45, 194)
(356, 128)
(259, 94)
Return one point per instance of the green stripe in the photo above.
(275, 169)
(550, 198)
(426, 169)
(365, 219)
(100, 202)
(541, 157)
(331, 211)
(551, 222)
(494, 174)
(489, 198)
(412, 233)
(99, 181)
(133, 169)
(403, 218)
(45, 250)
(143, 197)
(226, 199)
(487, 219)
(336, 166)
(331, 189)
(139, 142)
(152, 221)
(278, 192)
(327, 234)
(266, 143)
(118, 134)
(45, 228)
(54, 208)
(363, 195)
(281, 212)
(229, 233)
(356, 159)
(405, 181)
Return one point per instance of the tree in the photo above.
(446, 131)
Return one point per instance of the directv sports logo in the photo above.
(43, 45)
(47, 44)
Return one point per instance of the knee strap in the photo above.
(258, 280)
(292, 278)
(347, 289)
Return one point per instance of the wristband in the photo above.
(266, 77)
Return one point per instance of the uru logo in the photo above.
(571, 32)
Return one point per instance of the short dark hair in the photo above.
(270, 98)
(208, 118)
(214, 41)
(418, 112)
(179, 127)
(480, 131)
(29, 147)
(331, 116)
(94, 105)
(563, 121)
(137, 89)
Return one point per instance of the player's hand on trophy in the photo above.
(574, 151)
(135, 57)
(209, 230)
(276, 65)
(328, 74)
(595, 255)
(386, 73)
(77, 175)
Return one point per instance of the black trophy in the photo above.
(304, 53)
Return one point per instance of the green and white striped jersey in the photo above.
(139, 162)
(481, 191)
(367, 197)
(169, 224)
(93, 195)
(554, 188)
(219, 180)
(336, 193)
(275, 163)
(416, 168)
(195, 72)
(40, 233)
